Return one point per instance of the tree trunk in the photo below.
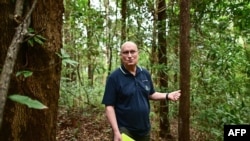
(107, 33)
(153, 56)
(162, 54)
(184, 110)
(21, 123)
(90, 50)
(124, 17)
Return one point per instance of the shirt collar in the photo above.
(125, 71)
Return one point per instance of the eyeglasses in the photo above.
(132, 52)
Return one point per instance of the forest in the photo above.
(56, 56)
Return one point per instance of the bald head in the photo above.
(128, 44)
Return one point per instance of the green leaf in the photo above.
(69, 61)
(31, 30)
(64, 54)
(24, 73)
(66, 58)
(41, 37)
(37, 40)
(27, 101)
(31, 42)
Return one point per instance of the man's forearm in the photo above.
(174, 96)
(158, 96)
(110, 113)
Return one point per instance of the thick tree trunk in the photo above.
(9, 63)
(6, 26)
(20, 122)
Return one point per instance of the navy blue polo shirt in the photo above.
(129, 96)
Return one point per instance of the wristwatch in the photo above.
(167, 96)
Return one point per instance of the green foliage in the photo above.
(66, 58)
(35, 38)
(24, 73)
(219, 64)
(73, 94)
(218, 96)
(35, 104)
(68, 93)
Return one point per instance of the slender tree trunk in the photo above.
(107, 32)
(89, 53)
(162, 54)
(21, 123)
(124, 17)
(153, 56)
(184, 110)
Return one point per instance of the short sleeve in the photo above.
(109, 97)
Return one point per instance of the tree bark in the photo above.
(162, 73)
(21, 32)
(20, 122)
(124, 17)
(184, 110)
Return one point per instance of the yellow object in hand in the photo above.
(126, 138)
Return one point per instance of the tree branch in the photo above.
(18, 11)
(10, 60)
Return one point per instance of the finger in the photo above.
(177, 97)
(177, 94)
(178, 91)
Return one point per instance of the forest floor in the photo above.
(90, 124)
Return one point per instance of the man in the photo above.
(126, 97)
